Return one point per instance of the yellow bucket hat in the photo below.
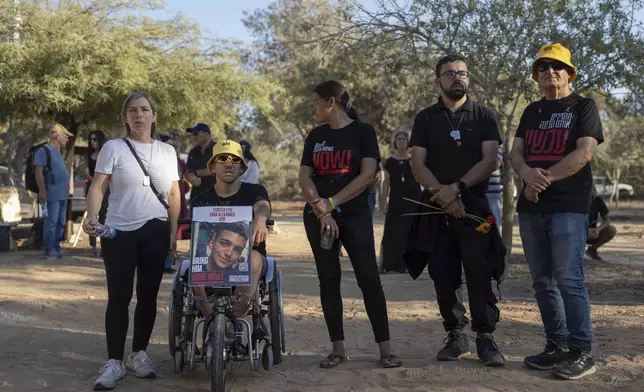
(229, 147)
(554, 52)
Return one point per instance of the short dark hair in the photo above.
(240, 228)
(450, 58)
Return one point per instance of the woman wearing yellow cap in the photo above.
(554, 144)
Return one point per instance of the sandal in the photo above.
(333, 360)
(390, 361)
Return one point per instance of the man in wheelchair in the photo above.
(228, 240)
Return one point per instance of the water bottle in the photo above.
(43, 210)
(104, 231)
(326, 241)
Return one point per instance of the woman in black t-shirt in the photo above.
(96, 141)
(338, 164)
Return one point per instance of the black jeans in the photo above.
(143, 250)
(356, 234)
(450, 248)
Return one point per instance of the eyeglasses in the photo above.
(225, 158)
(453, 74)
(544, 66)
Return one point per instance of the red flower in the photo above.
(490, 219)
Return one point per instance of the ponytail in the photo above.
(348, 105)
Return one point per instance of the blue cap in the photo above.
(200, 127)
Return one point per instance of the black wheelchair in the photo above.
(263, 341)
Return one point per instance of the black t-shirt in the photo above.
(197, 161)
(335, 156)
(248, 195)
(597, 208)
(433, 130)
(550, 130)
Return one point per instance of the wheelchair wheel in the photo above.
(276, 316)
(175, 313)
(218, 341)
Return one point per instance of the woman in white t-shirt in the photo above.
(251, 174)
(146, 227)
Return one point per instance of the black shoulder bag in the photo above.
(145, 172)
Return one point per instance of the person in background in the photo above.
(53, 185)
(183, 212)
(399, 184)
(338, 164)
(198, 174)
(598, 236)
(495, 189)
(372, 190)
(143, 210)
(96, 140)
(252, 172)
(552, 150)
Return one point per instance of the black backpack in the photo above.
(30, 172)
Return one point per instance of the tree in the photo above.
(290, 48)
(499, 38)
(77, 60)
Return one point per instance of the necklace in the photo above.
(455, 133)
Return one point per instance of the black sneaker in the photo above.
(552, 355)
(592, 253)
(488, 351)
(579, 364)
(456, 345)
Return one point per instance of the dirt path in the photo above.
(51, 328)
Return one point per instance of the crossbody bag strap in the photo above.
(145, 172)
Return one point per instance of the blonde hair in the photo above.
(128, 101)
(395, 136)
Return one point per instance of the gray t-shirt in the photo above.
(56, 176)
(131, 203)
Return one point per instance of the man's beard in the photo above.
(455, 92)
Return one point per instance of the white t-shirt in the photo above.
(131, 203)
(252, 173)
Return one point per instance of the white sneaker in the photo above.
(141, 365)
(111, 373)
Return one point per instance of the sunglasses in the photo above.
(544, 66)
(224, 158)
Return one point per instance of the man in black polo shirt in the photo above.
(454, 149)
(198, 174)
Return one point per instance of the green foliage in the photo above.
(77, 60)
(279, 170)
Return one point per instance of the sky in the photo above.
(221, 18)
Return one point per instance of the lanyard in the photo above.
(455, 133)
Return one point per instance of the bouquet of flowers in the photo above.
(485, 224)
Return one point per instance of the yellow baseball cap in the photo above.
(554, 52)
(229, 147)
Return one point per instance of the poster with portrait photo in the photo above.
(220, 247)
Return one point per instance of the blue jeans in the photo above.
(495, 207)
(372, 203)
(554, 246)
(54, 226)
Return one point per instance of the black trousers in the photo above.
(356, 234)
(144, 251)
(454, 252)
